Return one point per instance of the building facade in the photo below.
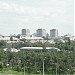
(41, 32)
(54, 33)
(25, 32)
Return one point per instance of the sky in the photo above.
(33, 14)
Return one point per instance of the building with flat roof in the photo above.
(54, 33)
(41, 32)
(25, 32)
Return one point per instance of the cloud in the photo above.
(30, 10)
(41, 13)
(47, 8)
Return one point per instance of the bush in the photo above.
(1, 66)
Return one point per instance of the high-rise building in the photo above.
(53, 33)
(26, 32)
(41, 32)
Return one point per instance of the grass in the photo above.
(20, 73)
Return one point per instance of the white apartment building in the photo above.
(53, 33)
(41, 32)
(25, 32)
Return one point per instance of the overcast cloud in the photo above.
(34, 14)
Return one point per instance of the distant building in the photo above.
(32, 39)
(34, 35)
(26, 32)
(53, 33)
(69, 36)
(41, 32)
(47, 35)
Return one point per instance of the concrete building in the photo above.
(41, 32)
(26, 32)
(53, 33)
(69, 36)
(32, 39)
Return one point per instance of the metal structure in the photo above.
(39, 48)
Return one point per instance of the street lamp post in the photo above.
(43, 65)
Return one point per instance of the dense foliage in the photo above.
(54, 61)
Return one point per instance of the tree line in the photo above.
(62, 62)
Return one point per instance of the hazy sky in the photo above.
(34, 14)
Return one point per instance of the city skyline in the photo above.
(47, 14)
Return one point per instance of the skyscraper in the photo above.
(26, 32)
(53, 33)
(41, 32)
